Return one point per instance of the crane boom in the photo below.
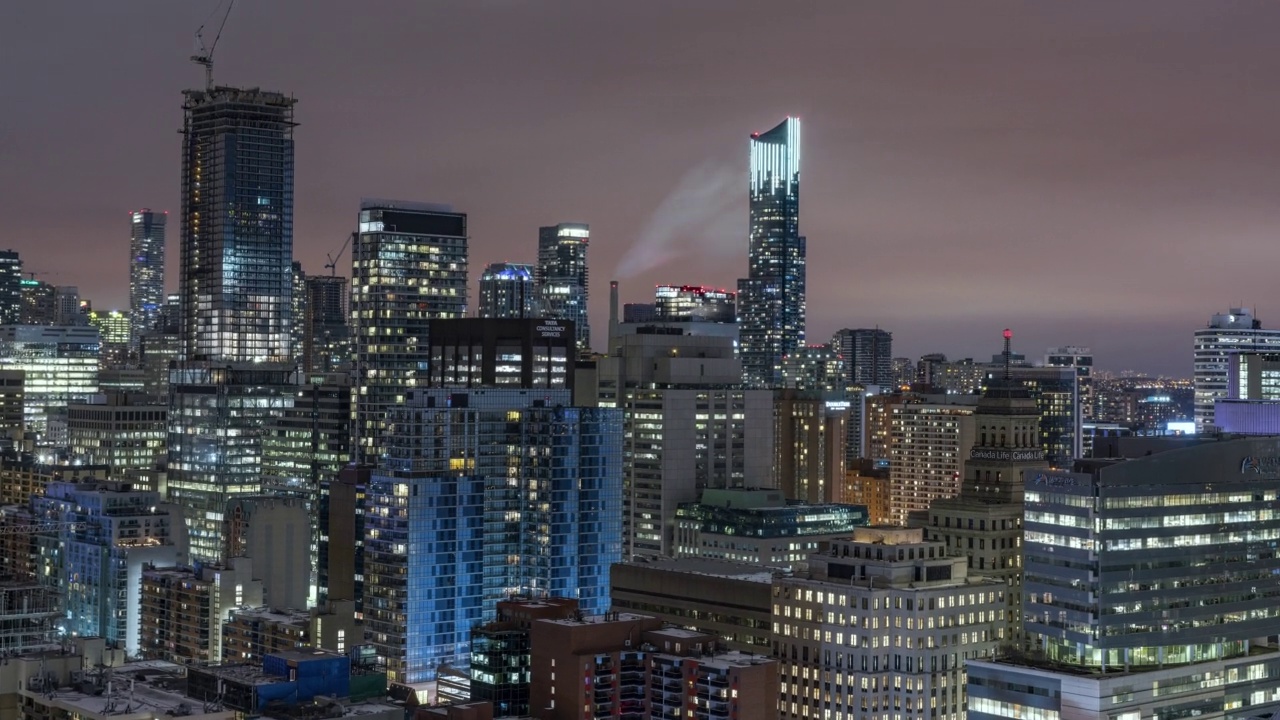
(32, 529)
(333, 259)
(205, 57)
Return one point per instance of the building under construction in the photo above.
(28, 616)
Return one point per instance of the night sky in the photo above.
(1100, 174)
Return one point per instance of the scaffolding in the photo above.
(29, 616)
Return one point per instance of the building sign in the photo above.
(1260, 465)
(1006, 455)
(1056, 480)
(551, 329)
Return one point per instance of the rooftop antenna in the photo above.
(1008, 356)
(205, 57)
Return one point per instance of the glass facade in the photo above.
(507, 291)
(486, 494)
(409, 266)
(694, 303)
(771, 299)
(867, 355)
(10, 287)
(236, 279)
(146, 271)
(562, 278)
(326, 344)
(1230, 333)
(60, 366)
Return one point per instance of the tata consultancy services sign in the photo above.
(550, 329)
(1260, 465)
(1006, 455)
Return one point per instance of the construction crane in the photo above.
(333, 260)
(205, 57)
(32, 529)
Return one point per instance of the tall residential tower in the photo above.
(561, 275)
(146, 271)
(771, 299)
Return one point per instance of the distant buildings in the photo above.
(694, 303)
(867, 355)
(562, 276)
(1234, 331)
(120, 432)
(771, 299)
(10, 287)
(326, 332)
(928, 444)
(814, 367)
(60, 366)
(146, 270)
(810, 435)
(507, 290)
(409, 265)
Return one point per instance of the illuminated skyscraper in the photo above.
(409, 267)
(694, 303)
(10, 287)
(326, 345)
(146, 271)
(237, 225)
(561, 275)
(507, 291)
(771, 299)
(868, 355)
(1229, 333)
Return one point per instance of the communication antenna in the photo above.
(205, 57)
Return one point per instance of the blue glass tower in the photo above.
(486, 494)
(771, 299)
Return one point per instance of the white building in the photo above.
(1234, 331)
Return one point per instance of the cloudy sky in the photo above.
(1091, 173)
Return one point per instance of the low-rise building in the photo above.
(183, 609)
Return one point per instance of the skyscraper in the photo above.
(237, 225)
(694, 303)
(507, 291)
(561, 275)
(326, 336)
(146, 271)
(868, 355)
(1234, 331)
(409, 267)
(771, 299)
(10, 287)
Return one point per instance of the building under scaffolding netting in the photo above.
(29, 615)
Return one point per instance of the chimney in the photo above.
(613, 314)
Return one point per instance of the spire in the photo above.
(1008, 355)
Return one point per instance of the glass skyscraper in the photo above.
(561, 275)
(146, 271)
(409, 267)
(237, 225)
(10, 287)
(507, 291)
(486, 494)
(771, 299)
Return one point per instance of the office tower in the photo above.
(866, 483)
(689, 426)
(1147, 593)
(694, 303)
(815, 368)
(60, 366)
(760, 527)
(160, 345)
(492, 352)
(562, 278)
(275, 532)
(146, 270)
(1234, 331)
(114, 332)
(904, 371)
(327, 341)
(639, 313)
(409, 267)
(928, 444)
(960, 377)
(631, 664)
(502, 653)
(39, 303)
(183, 609)
(771, 299)
(929, 369)
(984, 522)
(217, 417)
(810, 434)
(1079, 359)
(298, 312)
(93, 545)
(695, 592)
(496, 492)
(236, 279)
(306, 447)
(867, 354)
(1056, 392)
(10, 287)
(69, 309)
(507, 291)
(123, 431)
(896, 616)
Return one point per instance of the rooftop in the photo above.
(151, 686)
(712, 568)
(600, 619)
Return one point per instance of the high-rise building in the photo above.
(1056, 392)
(867, 354)
(409, 267)
(694, 303)
(771, 299)
(60, 365)
(275, 532)
(123, 431)
(298, 311)
(1149, 589)
(502, 656)
(492, 352)
(10, 287)
(1234, 331)
(486, 494)
(562, 278)
(183, 609)
(507, 291)
(814, 367)
(39, 302)
(810, 433)
(1079, 359)
(114, 330)
(69, 308)
(896, 615)
(99, 536)
(146, 270)
(928, 444)
(326, 336)
(236, 278)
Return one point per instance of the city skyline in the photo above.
(945, 143)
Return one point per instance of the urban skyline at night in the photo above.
(1068, 191)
